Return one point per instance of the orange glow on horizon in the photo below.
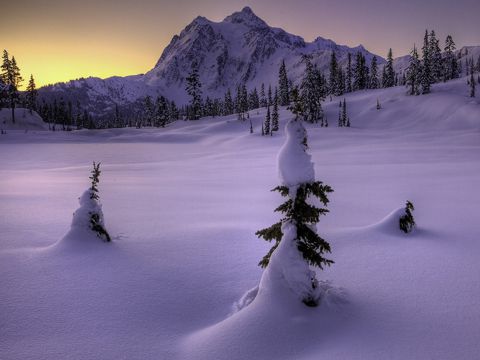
(63, 62)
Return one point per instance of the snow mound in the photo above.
(287, 274)
(80, 230)
(24, 120)
(261, 329)
(295, 166)
(390, 223)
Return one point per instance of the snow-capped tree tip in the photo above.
(407, 222)
(96, 214)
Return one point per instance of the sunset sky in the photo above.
(61, 40)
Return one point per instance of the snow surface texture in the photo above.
(187, 201)
(24, 120)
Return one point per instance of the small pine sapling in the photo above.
(96, 223)
(407, 222)
(378, 105)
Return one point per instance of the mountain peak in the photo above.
(245, 16)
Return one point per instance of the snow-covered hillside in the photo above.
(24, 120)
(240, 49)
(183, 204)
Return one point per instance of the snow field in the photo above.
(183, 204)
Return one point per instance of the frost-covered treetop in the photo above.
(295, 166)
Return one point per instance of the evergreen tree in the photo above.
(17, 77)
(266, 127)
(254, 102)
(374, 74)
(359, 75)
(343, 119)
(11, 79)
(296, 104)
(161, 112)
(263, 98)
(332, 83)
(96, 218)
(275, 116)
(435, 57)
(378, 105)
(194, 90)
(269, 99)
(31, 95)
(384, 77)
(389, 72)
(309, 97)
(349, 74)
(413, 73)
(149, 111)
(229, 106)
(300, 215)
(472, 83)
(426, 74)
(450, 61)
(340, 82)
(283, 85)
(407, 222)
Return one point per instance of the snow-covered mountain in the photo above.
(240, 49)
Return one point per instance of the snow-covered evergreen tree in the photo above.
(426, 73)
(359, 73)
(333, 77)
(349, 74)
(241, 102)
(297, 245)
(435, 57)
(266, 127)
(194, 90)
(88, 219)
(253, 100)
(275, 116)
(450, 61)
(389, 80)
(413, 73)
(283, 86)
(263, 98)
(148, 110)
(309, 97)
(161, 111)
(228, 106)
(374, 74)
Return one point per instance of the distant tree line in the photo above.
(435, 66)
(10, 81)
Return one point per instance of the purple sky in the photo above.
(63, 39)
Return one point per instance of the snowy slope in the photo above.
(183, 204)
(24, 120)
